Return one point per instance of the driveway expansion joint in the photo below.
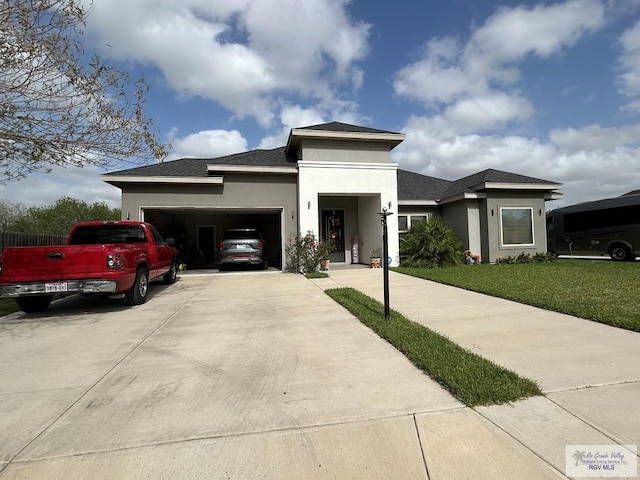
(300, 428)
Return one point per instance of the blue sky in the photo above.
(550, 90)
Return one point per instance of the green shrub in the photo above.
(304, 253)
(431, 244)
(539, 257)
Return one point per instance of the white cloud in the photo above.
(629, 78)
(597, 170)
(450, 71)
(439, 76)
(295, 116)
(488, 112)
(208, 144)
(595, 137)
(43, 189)
(245, 54)
(474, 87)
(291, 117)
(543, 30)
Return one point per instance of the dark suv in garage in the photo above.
(242, 246)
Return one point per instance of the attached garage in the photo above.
(193, 201)
(196, 232)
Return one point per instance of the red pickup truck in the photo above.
(98, 258)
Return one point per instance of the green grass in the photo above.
(602, 291)
(316, 275)
(472, 379)
(7, 306)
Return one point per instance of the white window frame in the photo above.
(533, 232)
(427, 215)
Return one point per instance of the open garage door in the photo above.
(196, 232)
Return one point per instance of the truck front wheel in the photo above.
(32, 304)
(172, 275)
(140, 289)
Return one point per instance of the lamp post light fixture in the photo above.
(385, 260)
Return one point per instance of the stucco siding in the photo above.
(370, 229)
(345, 151)
(496, 201)
(317, 180)
(419, 210)
(238, 190)
(455, 215)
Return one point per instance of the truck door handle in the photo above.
(55, 256)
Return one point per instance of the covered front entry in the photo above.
(352, 224)
(332, 230)
(196, 232)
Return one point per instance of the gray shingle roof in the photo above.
(632, 192)
(474, 182)
(343, 127)
(413, 186)
(197, 167)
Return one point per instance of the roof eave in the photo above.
(518, 186)
(120, 179)
(553, 196)
(250, 169)
(420, 203)
(296, 135)
(462, 196)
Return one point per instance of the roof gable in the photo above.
(344, 127)
(337, 131)
(477, 181)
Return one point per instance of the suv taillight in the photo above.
(115, 261)
(221, 246)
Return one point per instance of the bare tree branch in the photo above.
(57, 108)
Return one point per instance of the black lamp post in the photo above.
(385, 259)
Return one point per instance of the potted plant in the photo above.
(325, 247)
(374, 258)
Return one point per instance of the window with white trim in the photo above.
(516, 226)
(405, 221)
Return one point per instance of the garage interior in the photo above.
(196, 232)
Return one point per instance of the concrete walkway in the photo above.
(244, 376)
(590, 372)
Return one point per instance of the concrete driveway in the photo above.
(226, 376)
(245, 376)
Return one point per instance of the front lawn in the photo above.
(471, 378)
(7, 306)
(603, 291)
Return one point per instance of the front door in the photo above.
(333, 230)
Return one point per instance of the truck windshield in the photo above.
(105, 234)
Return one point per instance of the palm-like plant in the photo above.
(579, 456)
(431, 244)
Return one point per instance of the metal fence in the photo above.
(12, 239)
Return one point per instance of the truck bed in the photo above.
(52, 263)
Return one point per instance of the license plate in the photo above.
(55, 287)
(242, 246)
